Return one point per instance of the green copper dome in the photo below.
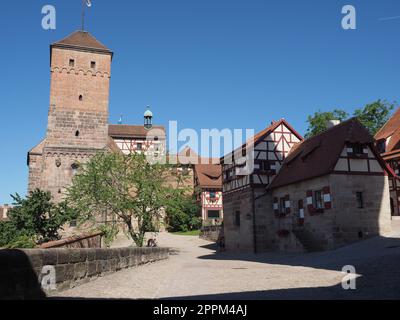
(148, 113)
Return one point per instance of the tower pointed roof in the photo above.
(82, 40)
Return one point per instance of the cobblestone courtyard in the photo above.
(195, 271)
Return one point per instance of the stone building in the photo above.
(203, 177)
(331, 190)
(78, 121)
(244, 191)
(388, 144)
(78, 126)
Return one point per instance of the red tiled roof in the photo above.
(130, 131)
(318, 155)
(209, 175)
(391, 129)
(82, 40)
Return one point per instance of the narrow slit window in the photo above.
(71, 62)
(93, 64)
(237, 218)
(360, 200)
(80, 98)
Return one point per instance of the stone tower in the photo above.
(78, 115)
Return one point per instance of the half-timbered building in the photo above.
(388, 144)
(139, 138)
(328, 191)
(332, 190)
(208, 188)
(243, 189)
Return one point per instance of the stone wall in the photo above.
(371, 220)
(238, 237)
(22, 271)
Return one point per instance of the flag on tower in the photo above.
(89, 3)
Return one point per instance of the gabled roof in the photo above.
(82, 40)
(391, 129)
(130, 131)
(262, 134)
(209, 175)
(318, 155)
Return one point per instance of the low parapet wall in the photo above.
(212, 233)
(36, 273)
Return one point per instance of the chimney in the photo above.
(332, 123)
(5, 210)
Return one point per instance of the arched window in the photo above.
(80, 97)
(74, 168)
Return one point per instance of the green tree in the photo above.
(317, 123)
(34, 220)
(374, 115)
(183, 215)
(128, 187)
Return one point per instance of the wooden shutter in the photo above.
(327, 197)
(276, 206)
(310, 205)
(301, 212)
(287, 204)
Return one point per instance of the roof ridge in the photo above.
(82, 39)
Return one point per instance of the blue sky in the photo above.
(207, 64)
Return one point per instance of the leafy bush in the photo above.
(34, 220)
(183, 215)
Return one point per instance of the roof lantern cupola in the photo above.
(148, 118)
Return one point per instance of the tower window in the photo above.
(93, 64)
(80, 98)
(74, 168)
(71, 62)
(77, 133)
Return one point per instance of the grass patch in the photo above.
(187, 233)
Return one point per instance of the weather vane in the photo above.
(84, 4)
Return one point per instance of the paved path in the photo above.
(195, 270)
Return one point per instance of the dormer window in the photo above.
(93, 64)
(357, 149)
(71, 63)
(381, 146)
